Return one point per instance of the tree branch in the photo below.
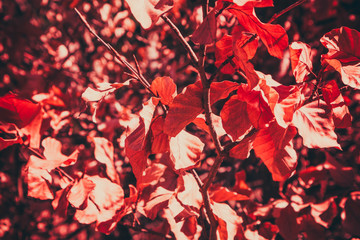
(186, 45)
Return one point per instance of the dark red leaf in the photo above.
(205, 33)
(184, 109)
(14, 109)
(235, 119)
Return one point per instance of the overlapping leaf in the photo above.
(274, 146)
(16, 110)
(103, 201)
(273, 36)
(344, 54)
(300, 60)
(335, 100)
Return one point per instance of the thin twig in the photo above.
(136, 73)
(186, 45)
(277, 15)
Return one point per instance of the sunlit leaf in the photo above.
(344, 54)
(104, 153)
(316, 126)
(185, 150)
(300, 60)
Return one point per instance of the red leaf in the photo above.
(224, 50)
(159, 140)
(268, 230)
(152, 175)
(325, 212)
(274, 146)
(95, 96)
(104, 153)
(344, 54)
(205, 33)
(300, 60)
(19, 111)
(243, 63)
(242, 40)
(155, 198)
(242, 149)
(32, 130)
(80, 191)
(147, 12)
(273, 36)
(330, 92)
(201, 123)
(60, 202)
(334, 99)
(240, 185)
(184, 109)
(316, 126)
(185, 151)
(221, 90)
(39, 181)
(135, 144)
(165, 88)
(222, 194)
(258, 105)
(185, 229)
(289, 99)
(235, 119)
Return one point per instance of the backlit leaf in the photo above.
(165, 88)
(300, 60)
